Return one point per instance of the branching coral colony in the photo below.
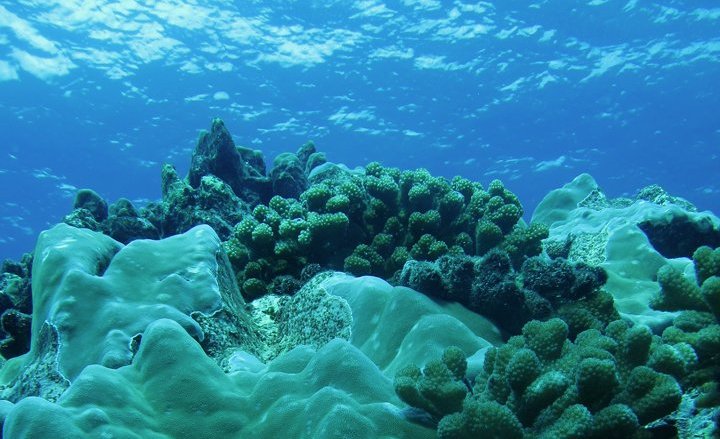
(605, 383)
(570, 367)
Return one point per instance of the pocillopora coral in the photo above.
(372, 221)
(540, 384)
(696, 330)
(540, 289)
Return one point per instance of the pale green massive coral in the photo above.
(153, 340)
(630, 238)
(172, 390)
(92, 297)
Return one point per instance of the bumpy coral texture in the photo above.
(540, 384)
(696, 330)
(540, 289)
(372, 222)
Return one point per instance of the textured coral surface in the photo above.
(306, 299)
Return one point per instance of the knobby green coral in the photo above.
(372, 222)
(695, 332)
(540, 384)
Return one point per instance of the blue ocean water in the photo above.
(100, 93)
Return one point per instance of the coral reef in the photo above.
(541, 288)
(93, 296)
(307, 212)
(540, 384)
(182, 207)
(121, 220)
(242, 169)
(630, 238)
(223, 184)
(125, 224)
(697, 326)
(16, 302)
(290, 398)
(220, 309)
(372, 221)
(154, 339)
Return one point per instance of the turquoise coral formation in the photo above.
(227, 283)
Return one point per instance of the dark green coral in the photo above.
(373, 222)
(541, 384)
(695, 332)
